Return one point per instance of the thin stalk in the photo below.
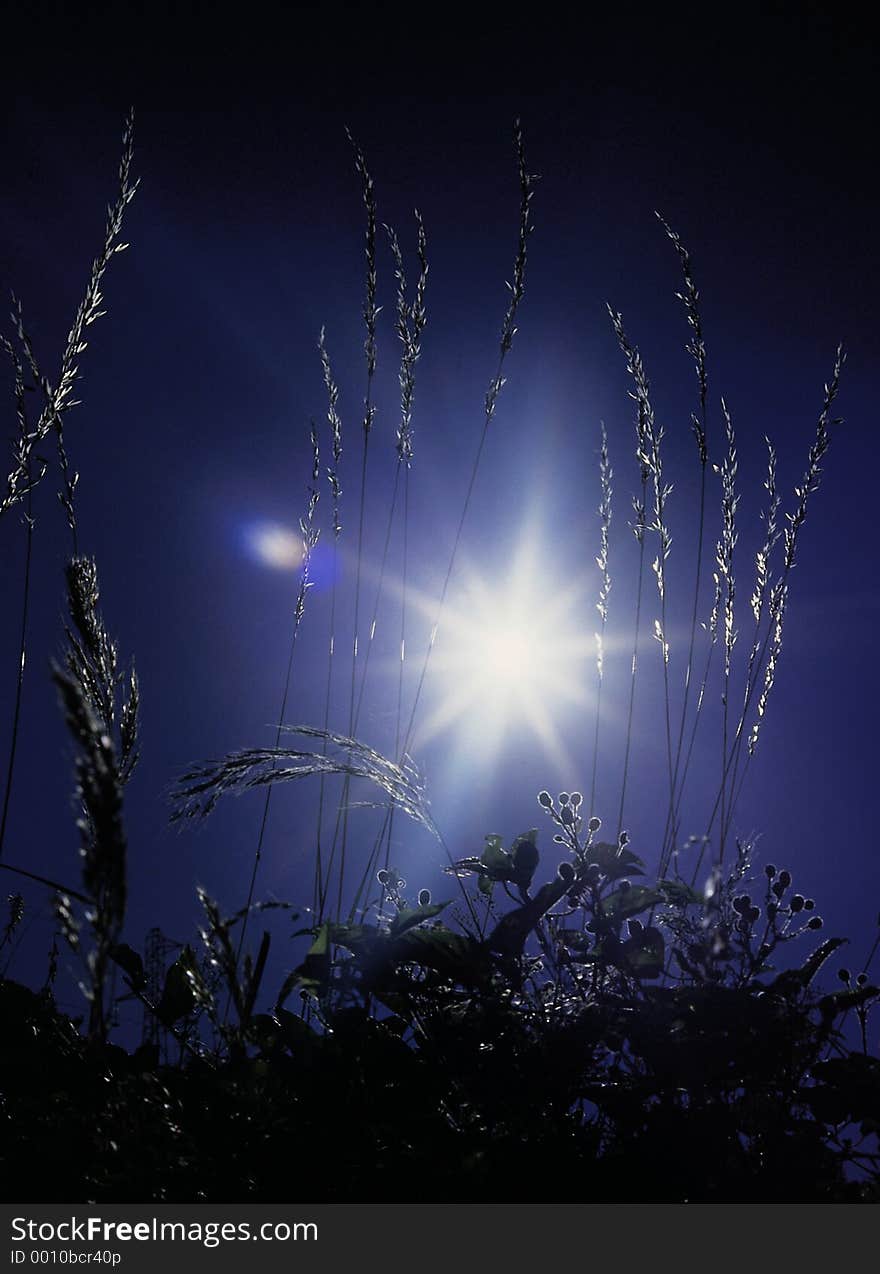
(650, 436)
(19, 680)
(335, 424)
(639, 532)
(605, 476)
(309, 539)
(690, 298)
(496, 384)
(370, 314)
(508, 331)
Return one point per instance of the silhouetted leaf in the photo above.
(629, 902)
(644, 953)
(524, 853)
(130, 962)
(409, 917)
(678, 894)
(613, 861)
(183, 989)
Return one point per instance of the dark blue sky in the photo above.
(751, 135)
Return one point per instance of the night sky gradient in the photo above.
(749, 129)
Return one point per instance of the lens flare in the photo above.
(275, 545)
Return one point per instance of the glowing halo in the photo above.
(509, 654)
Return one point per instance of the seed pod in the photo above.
(424, 897)
(565, 872)
(545, 799)
(797, 902)
(815, 922)
(594, 824)
(785, 878)
(770, 871)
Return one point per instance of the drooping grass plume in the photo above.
(201, 787)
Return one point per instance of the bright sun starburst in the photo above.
(510, 653)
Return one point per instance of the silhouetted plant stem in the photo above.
(639, 532)
(605, 476)
(335, 423)
(696, 348)
(508, 331)
(309, 539)
(19, 680)
(370, 314)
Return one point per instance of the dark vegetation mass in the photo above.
(574, 1025)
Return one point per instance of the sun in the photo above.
(510, 652)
